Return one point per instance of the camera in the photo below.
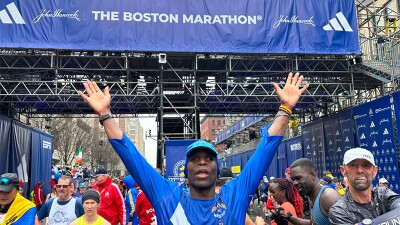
(162, 58)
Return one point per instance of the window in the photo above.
(219, 122)
(213, 122)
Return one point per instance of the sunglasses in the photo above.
(6, 181)
(62, 186)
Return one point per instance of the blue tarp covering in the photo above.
(42, 152)
(26, 152)
(239, 126)
(20, 154)
(5, 146)
(374, 128)
(339, 137)
(242, 26)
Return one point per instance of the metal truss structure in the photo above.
(180, 87)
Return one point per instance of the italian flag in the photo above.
(78, 155)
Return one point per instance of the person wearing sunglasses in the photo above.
(64, 209)
(15, 209)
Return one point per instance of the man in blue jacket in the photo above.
(199, 205)
(15, 209)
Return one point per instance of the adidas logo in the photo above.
(338, 25)
(15, 14)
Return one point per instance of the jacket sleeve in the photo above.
(119, 201)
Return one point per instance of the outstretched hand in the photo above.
(291, 92)
(97, 99)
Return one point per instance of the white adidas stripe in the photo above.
(344, 22)
(338, 25)
(15, 14)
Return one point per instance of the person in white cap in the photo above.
(383, 182)
(361, 201)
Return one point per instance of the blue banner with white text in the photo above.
(339, 137)
(374, 127)
(242, 26)
(294, 149)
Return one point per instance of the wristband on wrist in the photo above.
(283, 113)
(286, 109)
(104, 117)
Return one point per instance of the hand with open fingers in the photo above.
(97, 99)
(291, 92)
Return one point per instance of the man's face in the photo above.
(302, 180)
(359, 173)
(7, 197)
(202, 170)
(64, 189)
(100, 179)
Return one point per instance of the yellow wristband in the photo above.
(286, 109)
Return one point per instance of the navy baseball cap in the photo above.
(201, 144)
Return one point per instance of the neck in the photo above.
(89, 219)
(361, 196)
(315, 192)
(203, 194)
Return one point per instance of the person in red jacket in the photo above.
(112, 205)
(38, 195)
(144, 210)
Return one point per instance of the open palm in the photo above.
(98, 100)
(291, 92)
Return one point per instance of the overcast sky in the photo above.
(151, 144)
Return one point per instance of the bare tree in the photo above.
(68, 137)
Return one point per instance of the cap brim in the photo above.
(199, 148)
(6, 188)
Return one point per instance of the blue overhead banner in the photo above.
(339, 137)
(313, 144)
(374, 127)
(242, 26)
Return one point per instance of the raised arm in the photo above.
(100, 103)
(288, 95)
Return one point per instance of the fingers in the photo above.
(107, 91)
(298, 83)
(92, 85)
(289, 79)
(83, 95)
(295, 78)
(302, 90)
